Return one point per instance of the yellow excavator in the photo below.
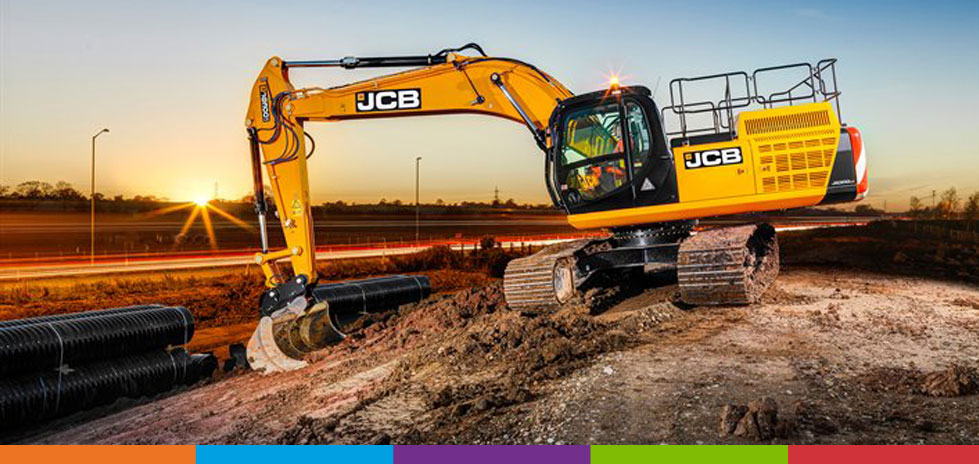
(610, 162)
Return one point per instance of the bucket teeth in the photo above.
(727, 266)
(264, 354)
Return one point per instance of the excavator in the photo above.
(610, 162)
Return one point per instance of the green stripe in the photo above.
(690, 454)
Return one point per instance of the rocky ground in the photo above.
(836, 357)
(834, 353)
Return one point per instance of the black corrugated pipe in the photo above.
(373, 295)
(69, 316)
(36, 397)
(47, 345)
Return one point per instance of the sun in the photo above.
(202, 201)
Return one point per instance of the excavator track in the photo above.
(728, 265)
(544, 280)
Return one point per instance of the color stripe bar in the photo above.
(689, 454)
(105, 454)
(491, 454)
(845, 454)
(238, 454)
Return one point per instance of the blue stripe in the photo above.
(295, 454)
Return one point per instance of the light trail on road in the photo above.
(243, 257)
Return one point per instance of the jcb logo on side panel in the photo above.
(389, 100)
(709, 158)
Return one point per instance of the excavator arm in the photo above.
(295, 318)
(446, 83)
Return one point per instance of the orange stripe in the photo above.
(103, 454)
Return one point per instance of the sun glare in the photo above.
(202, 201)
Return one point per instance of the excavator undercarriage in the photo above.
(721, 266)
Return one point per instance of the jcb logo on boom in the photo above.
(709, 158)
(263, 97)
(389, 100)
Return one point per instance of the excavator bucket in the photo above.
(283, 338)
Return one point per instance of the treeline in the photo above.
(949, 206)
(60, 191)
(62, 196)
(37, 190)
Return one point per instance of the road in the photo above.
(129, 265)
(126, 264)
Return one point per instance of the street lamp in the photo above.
(417, 210)
(93, 192)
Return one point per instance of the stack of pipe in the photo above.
(52, 366)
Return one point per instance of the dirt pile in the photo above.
(954, 381)
(466, 358)
(758, 421)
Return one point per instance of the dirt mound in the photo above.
(950, 382)
(464, 358)
(966, 303)
(777, 295)
(954, 381)
(757, 421)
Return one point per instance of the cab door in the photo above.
(610, 153)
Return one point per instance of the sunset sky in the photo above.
(171, 81)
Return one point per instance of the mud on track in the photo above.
(848, 357)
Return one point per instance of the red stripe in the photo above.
(856, 142)
(893, 454)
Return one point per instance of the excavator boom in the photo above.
(448, 83)
(294, 319)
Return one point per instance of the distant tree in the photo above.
(439, 202)
(916, 207)
(34, 190)
(510, 203)
(4, 190)
(949, 203)
(971, 211)
(98, 196)
(867, 210)
(118, 198)
(396, 203)
(64, 191)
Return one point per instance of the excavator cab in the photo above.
(609, 151)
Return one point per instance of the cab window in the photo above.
(638, 135)
(592, 157)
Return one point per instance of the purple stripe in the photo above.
(472, 454)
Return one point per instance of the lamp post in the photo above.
(417, 207)
(93, 193)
